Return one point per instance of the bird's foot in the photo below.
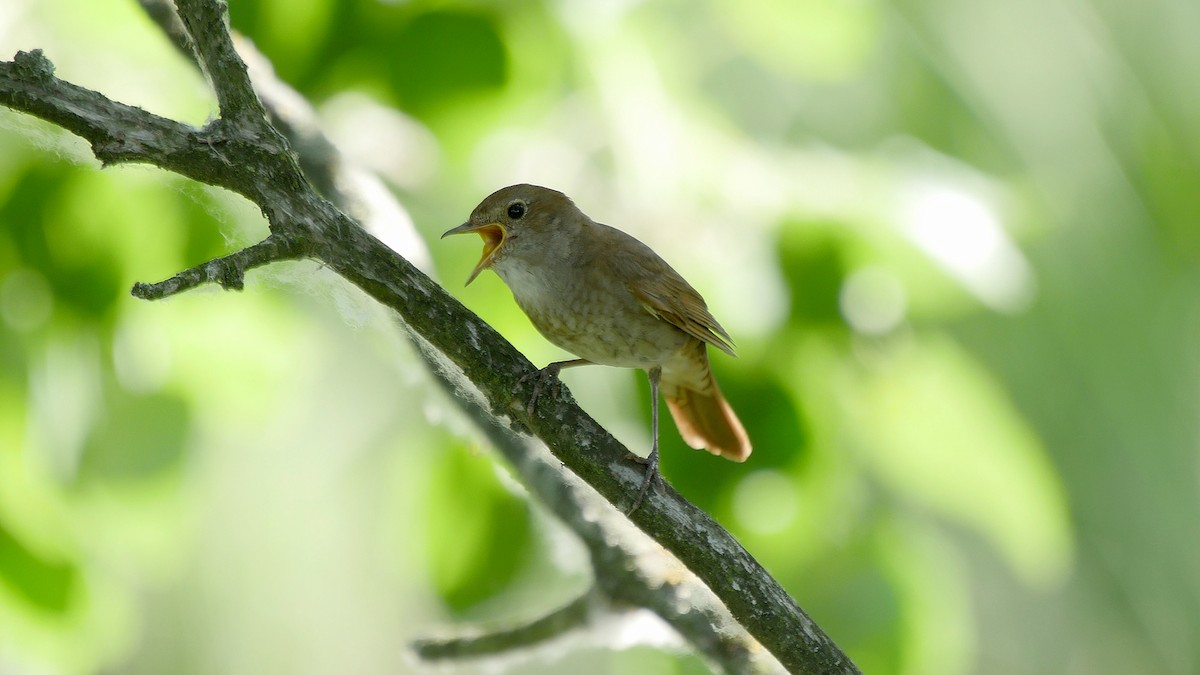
(544, 379)
(649, 479)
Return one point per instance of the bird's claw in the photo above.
(542, 379)
(650, 478)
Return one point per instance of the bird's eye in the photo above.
(516, 210)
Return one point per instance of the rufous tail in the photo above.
(701, 413)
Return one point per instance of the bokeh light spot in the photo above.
(766, 502)
(873, 301)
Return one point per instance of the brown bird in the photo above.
(607, 298)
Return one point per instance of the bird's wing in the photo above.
(677, 303)
(662, 292)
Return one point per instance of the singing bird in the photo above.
(605, 297)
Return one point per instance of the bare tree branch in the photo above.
(267, 172)
(207, 23)
(569, 617)
(229, 271)
(357, 193)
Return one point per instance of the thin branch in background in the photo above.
(572, 616)
(162, 12)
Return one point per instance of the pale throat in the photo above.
(541, 274)
(533, 286)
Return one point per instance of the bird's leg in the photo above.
(651, 476)
(548, 377)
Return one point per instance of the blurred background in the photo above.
(956, 243)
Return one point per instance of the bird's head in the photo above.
(518, 219)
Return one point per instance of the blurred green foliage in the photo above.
(491, 534)
(45, 584)
(955, 243)
(418, 56)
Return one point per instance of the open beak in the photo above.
(493, 238)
